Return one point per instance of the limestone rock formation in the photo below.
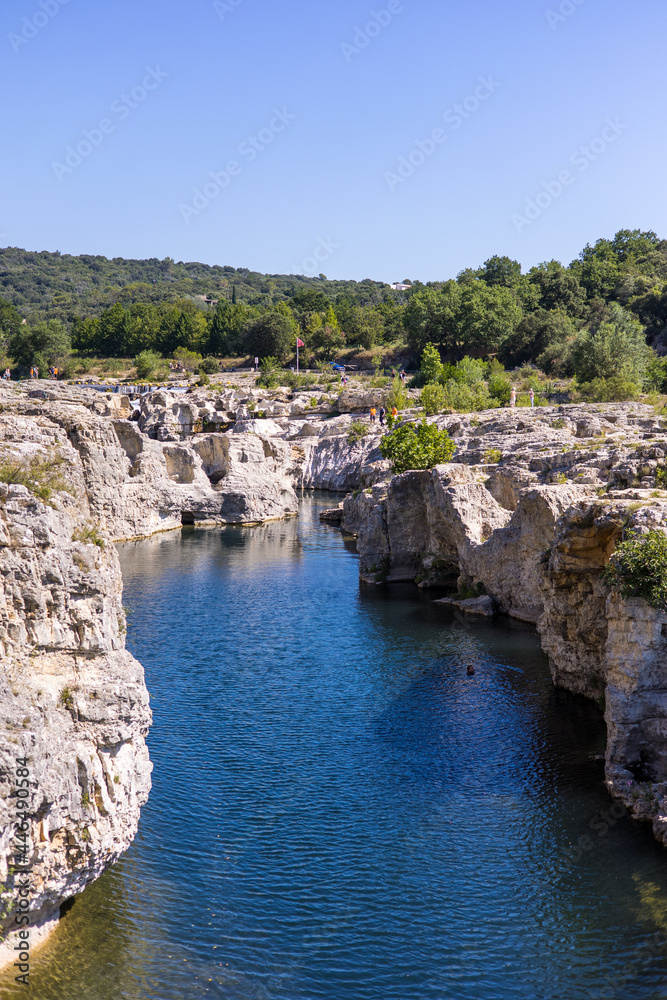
(72, 699)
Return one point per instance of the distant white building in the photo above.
(398, 286)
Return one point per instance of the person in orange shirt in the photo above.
(373, 413)
(394, 412)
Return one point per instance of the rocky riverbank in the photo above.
(73, 701)
(529, 512)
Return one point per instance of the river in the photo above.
(340, 813)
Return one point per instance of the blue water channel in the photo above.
(340, 813)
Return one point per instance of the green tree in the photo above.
(112, 331)
(142, 328)
(432, 316)
(269, 335)
(225, 332)
(501, 271)
(558, 288)
(307, 299)
(10, 323)
(618, 347)
(46, 343)
(326, 341)
(431, 365)
(486, 317)
(417, 446)
(362, 325)
(534, 334)
(86, 334)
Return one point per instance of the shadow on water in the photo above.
(340, 812)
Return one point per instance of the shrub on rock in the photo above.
(417, 446)
(638, 568)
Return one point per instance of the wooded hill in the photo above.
(44, 285)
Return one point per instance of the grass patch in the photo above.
(67, 698)
(89, 535)
(356, 432)
(41, 476)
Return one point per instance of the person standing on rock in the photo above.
(513, 397)
(532, 397)
(383, 413)
(394, 412)
(373, 414)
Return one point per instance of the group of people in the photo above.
(34, 372)
(7, 376)
(382, 414)
(401, 374)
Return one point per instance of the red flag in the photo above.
(299, 343)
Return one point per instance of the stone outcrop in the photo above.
(72, 700)
(542, 563)
(137, 485)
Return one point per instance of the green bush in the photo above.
(89, 535)
(473, 370)
(433, 398)
(209, 366)
(146, 363)
(269, 368)
(397, 396)
(294, 381)
(500, 389)
(492, 456)
(615, 389)
(638, 568)
(417, 446)
(431, 365)
(189, 359)
(469, 398)
(356, 431)
(655, 378)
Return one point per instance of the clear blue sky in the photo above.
(322, 179)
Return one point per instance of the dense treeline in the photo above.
(59, 286)
(601, 317)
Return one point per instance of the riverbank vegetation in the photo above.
(597, 327)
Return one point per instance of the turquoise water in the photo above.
(340, 813)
